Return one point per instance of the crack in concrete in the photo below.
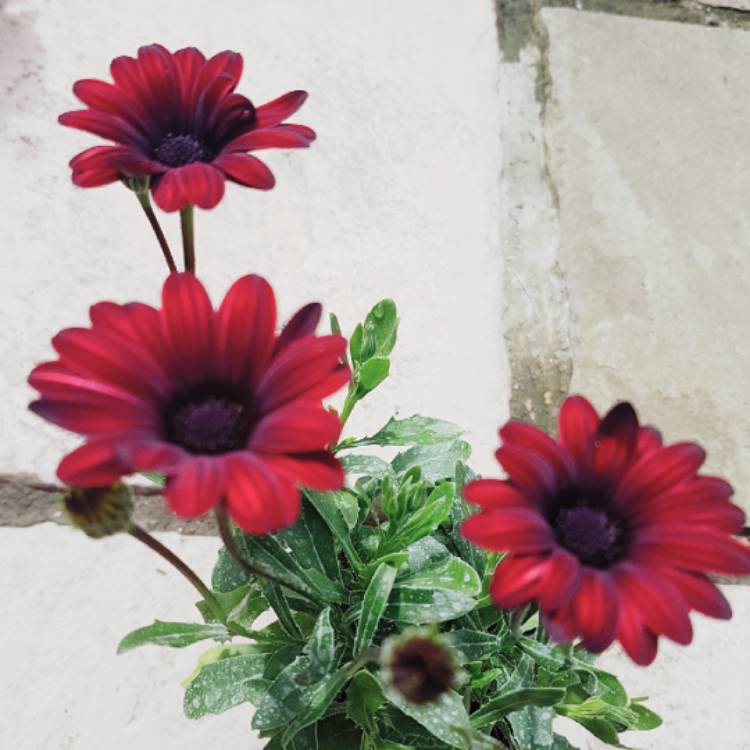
(681, 11)
(26, 501)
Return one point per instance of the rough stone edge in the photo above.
(681, 11)
(536, 311)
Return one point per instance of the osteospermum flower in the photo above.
(176, 118)
(215, 400)
(609, 531)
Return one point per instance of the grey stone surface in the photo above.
(649, 149)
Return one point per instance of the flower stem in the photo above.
(188, 237)
(143, 536)
(349, 404)
(143, 199)
(226, 536)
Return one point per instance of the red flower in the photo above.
(176, 118)
(213, 399)
(609, 531)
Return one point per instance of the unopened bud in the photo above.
(99, 511)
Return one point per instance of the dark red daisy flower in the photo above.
(215, 400)
(176, 118)
(609, 531)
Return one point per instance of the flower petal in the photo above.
(318, 471)
(302, 323)
(259, 500)
(197, 486)
(245, 326)
(494, 494)
(509, 530)
(246, 169)
(595, 608)
(578, 422)
(273, 112)
(94, 464)
(296, 427)
(196, 184)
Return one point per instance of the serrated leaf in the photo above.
(172, 634)
(414, 430)
(436, 461)
(223, 684)
(373, 605)
(364, 696)
(502, 705)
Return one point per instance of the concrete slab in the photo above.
(649, 150)
(69, 600)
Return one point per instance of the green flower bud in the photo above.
(98, 511)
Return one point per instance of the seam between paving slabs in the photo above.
(681, 11)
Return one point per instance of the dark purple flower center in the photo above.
(210, 425)
(591, 534)
(179, 150)
(421, 670)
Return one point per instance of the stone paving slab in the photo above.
(646, 125)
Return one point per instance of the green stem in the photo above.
(188, 238)
(222, 519)
(145, 202)
(349, 404)
(143, 536)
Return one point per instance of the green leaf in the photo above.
(476, 645)
(452, 574)
(312, 545)
(494, 709)
(338, 733)
(372, 373)
(548, 656)
(420, 522)
(532, 727)
(335, 325)
(355, 343)
(285, 697)
(379, 330)
(327, 506)
(647, 719)
(223, 684)
(414, 430)
(318, 699)
(445, 718)
(364, 697)
(561, 743)
(278, 601)
(421, 606)
(269, 555)
(371, 466)
(373, 605)
(228, 574)
(172, 634)
(436, 461)
(321, 648)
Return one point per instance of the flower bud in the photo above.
(419, 664)
(98, 511)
